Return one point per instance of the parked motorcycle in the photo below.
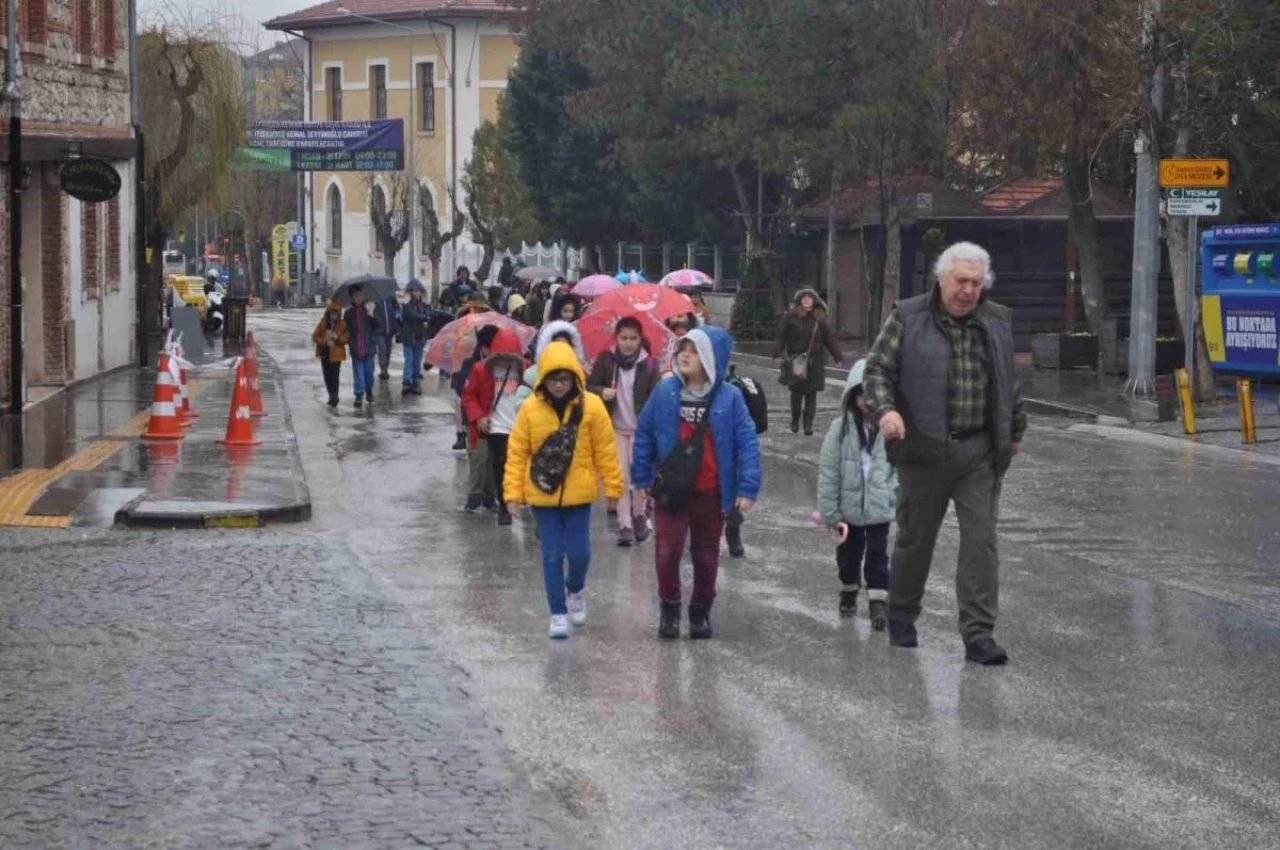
(213, 313)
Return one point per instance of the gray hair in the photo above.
(965, 252)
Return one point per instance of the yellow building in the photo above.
(441, 66)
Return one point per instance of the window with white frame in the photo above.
(333, 202)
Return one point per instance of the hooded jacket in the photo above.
(732, 430)
(544, 339)
(801, 332)
(595, 454)
(479, 396)
(414, 316)
(332, 320)
(845, 493)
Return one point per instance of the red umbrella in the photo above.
(456, 340)
(660, 302)
(598, 326)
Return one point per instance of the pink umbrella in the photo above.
(596, 285)
(686, 279)
(456, 340)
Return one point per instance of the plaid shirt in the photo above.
(969, 379)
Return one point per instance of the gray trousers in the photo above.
(384, 344)
(968, 477)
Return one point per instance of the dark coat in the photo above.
(603, 374)
(796, 335)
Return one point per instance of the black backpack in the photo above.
(753, 394)
(674, 483)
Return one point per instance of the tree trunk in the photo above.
(1203, 387)
(833, 288)
(1083, 226)
(388, 262)
(892, 271)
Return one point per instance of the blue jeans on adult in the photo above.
(564, 532)
(413, 362)
(362, 371)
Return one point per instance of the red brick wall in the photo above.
(114, 247)
(90, 249)
(53, 270)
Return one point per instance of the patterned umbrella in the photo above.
(687, 279)
(595, 286)
(457, 340)
(537, 273)
(597, 328)
(662, 302)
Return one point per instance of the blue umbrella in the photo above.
(624, 276)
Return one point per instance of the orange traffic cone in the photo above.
(187, 412)
(240, 423)
(255, 387)
(164, 424)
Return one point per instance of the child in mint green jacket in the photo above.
(857, 487)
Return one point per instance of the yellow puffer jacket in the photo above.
(595, 455)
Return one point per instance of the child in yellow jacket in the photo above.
(561, 483)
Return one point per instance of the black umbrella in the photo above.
(375, 288)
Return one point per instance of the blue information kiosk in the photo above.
(1241, 300)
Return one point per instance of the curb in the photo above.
(130, 517)
(1053, 408)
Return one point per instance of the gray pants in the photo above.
(384, 344)
(968, 477)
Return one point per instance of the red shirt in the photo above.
(708, 481)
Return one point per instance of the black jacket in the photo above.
(604, 373)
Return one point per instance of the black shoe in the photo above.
(473, 504)
(359, 402)
(808, 432)
(504, 518)
(333, 401)
(795, 427)
(369, 396)
(878, 616)
(669, 624)
(985, 651)
(699, 620)
(848, 603)
(903, 634)
(733, 536)
(384, 376)
(460, 444)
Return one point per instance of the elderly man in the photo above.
(940, 383)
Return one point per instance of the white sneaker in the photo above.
(577, 604)
(559, 627)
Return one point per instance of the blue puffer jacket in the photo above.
(732, 431)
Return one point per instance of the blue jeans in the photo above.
(564, 531)
(413, 363)
(362, 371)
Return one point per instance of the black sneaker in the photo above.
(848, 603)
(669, 624)
(369, 396)
(333, 401)
(626, 537)
(359, 402)
(472, 504)
(985, 651)
(878, 615)
(504, 518)
(903, 634)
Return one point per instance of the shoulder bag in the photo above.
(551, 463)
(795, 367)
(673, 484)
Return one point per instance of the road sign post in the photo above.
(1189, 301)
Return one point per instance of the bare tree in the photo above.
(433, 238)
(389, 195)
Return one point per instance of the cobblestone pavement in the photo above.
(234, 689)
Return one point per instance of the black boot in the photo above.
(460, 445)
(984, 651)
(878, 615)
(903, 634)
(699, 620)
(733, 536)
(848, 603)
(669, 624)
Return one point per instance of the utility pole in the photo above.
(146, 307)
(1144, 296)
(16, 170)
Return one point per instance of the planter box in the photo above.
(1062, 351)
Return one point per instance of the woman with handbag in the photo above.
(804, 338)
(561, 447)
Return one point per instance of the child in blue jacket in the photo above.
(728, 476)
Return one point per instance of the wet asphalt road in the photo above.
(1140, 603)
(1141, 598)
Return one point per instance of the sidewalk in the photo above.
(1098, 400)
(81, 460)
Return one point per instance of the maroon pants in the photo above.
(703, 523)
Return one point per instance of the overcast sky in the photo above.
(241, 20)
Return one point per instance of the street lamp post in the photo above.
(413, 132)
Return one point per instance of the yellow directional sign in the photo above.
(1194, 172)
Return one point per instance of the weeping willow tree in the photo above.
(193, 119)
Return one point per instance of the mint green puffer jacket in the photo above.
(845, 494)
